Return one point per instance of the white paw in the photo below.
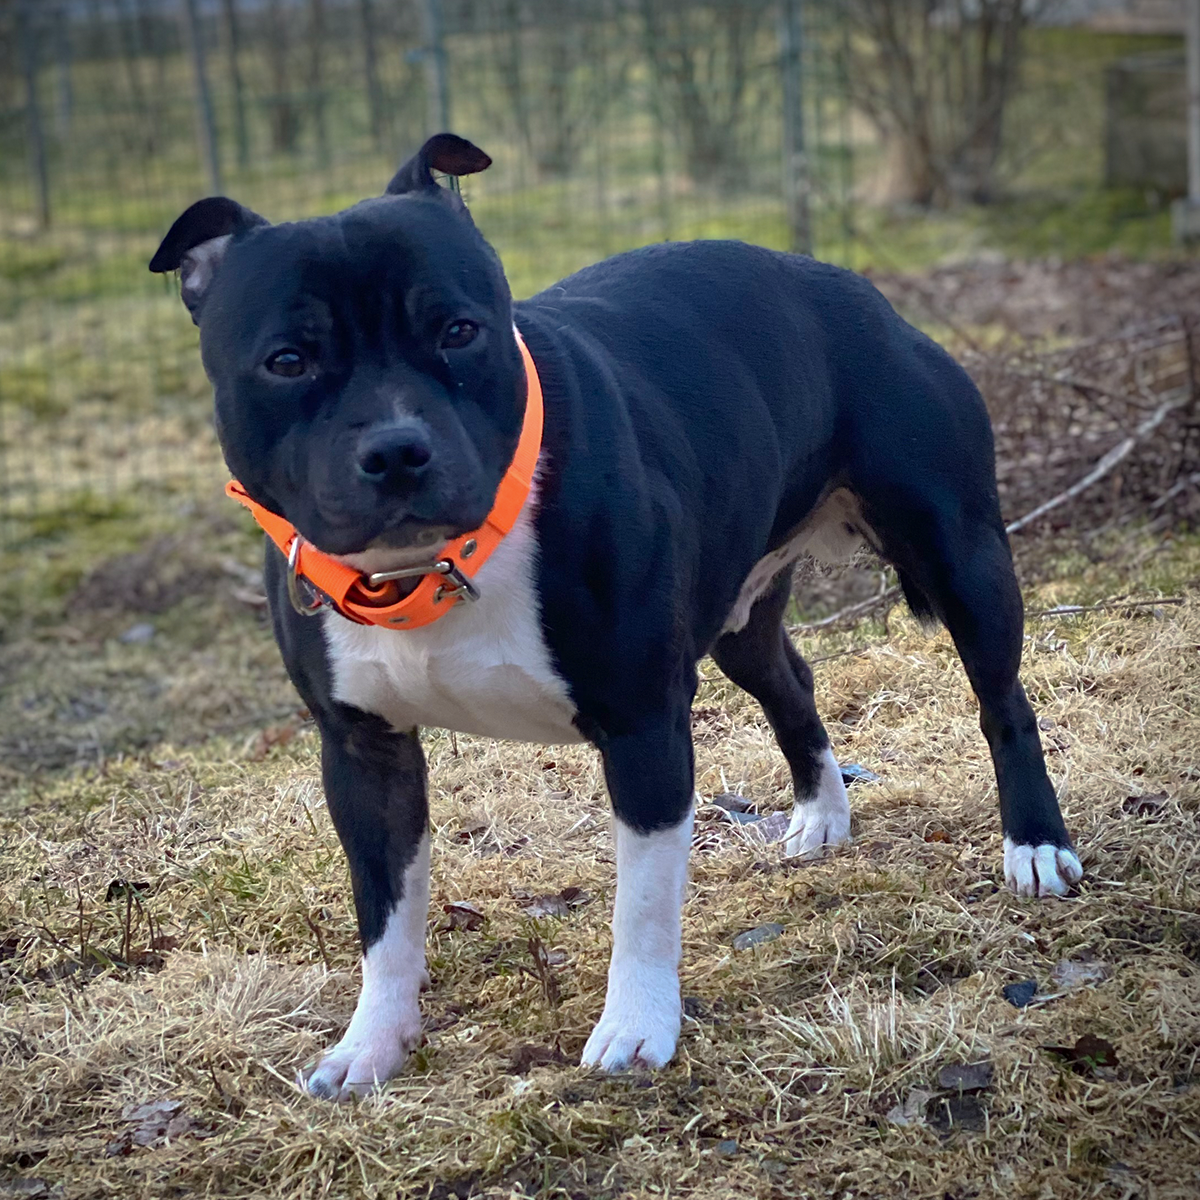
(640, 1023)
(824, 819)
(1044, 870)
(359, 1064)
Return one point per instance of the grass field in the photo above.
(233, 963)
(176, 930)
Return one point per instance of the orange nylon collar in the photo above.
(317, 580)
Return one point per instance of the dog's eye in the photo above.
(289, 363)
(459, 334)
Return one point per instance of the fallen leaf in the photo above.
(853, 773)
(740, 818)
(471, 830)
(947, 1113)
(527, 1056)
(937, 835)
(732, 802)
(1071, 973)
(153, 1120)
(769, 829)
(912, 1110)
(971, 1077)
(1088, 1053)
(462, 916)
(28, 1188)
(273, 735)
(551, 905)
(556, 904)
(755, 937)
(1144, 806)
(120, 1145)
(1020, 994)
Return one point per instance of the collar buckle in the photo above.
(295, 581)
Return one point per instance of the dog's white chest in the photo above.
(483, 668)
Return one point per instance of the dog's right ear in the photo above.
(445, 152)
(196, 244)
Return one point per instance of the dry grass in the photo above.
(234, 962)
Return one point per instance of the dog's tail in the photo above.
(920, 604)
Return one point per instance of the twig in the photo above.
(812, 662)
(316, 931)
(1070, 610)
(888, 593)
(1103, 467)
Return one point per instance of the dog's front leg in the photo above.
(650, 781)
(375, 788)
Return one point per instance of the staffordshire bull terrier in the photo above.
(532, 520)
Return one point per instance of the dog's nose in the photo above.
(394, 456)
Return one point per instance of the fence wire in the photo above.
(611, 122)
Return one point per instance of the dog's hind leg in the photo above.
(957, 566)
(649, 772)
(761, 659)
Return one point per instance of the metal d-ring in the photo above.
(293, 583)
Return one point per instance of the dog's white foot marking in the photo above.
(1044, 870)
(387, 1021)
(822, 819)
(642, 1011)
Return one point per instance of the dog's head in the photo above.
(368, 384)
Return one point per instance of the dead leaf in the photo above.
(1087, 1055)
(120, 1145)
(1080, 973)
(1144, 806)
(555, 904)
(731, 802)
(550, 905)
(474, 827)
(755, 937)
(527, 1056)
(273, 735)
(971, 1077)
(769, 829)
(947, 1113)
(153, 1120)
(912, 1110)
(28, 1187)
(463, 916)
(1020, 994)
(938, 835)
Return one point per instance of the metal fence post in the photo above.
(436, 66)
(27, 41)
(796, 183)
(206, 126)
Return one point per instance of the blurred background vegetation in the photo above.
(899, 137)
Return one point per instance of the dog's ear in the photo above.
(196, 243)
(445, 152)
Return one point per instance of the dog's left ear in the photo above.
(196, 244)
(445, 152)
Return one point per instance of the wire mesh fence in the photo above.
(611, 122)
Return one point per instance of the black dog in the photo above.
(712, 410)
